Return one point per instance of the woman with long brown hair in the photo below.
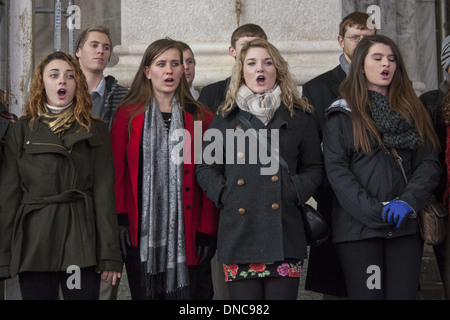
(375, 228)
(57, 187)
(166, 222)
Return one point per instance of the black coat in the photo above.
(260, 220)
(322, 91)
(431, 101)
(324, 271)
(214, 94)
(362, 182)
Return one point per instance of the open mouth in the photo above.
(62, 93)
(169, 80)
(260, 79)
(385, 74)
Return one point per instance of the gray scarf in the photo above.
(162, 244)
(397, 133)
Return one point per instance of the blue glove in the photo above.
(395, 211)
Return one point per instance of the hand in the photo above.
(125, 240)
(205, 253)
(395, 211)
(108, 275)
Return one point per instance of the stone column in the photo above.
(20, 53)
(407, 32)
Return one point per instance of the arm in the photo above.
(11, 196)
(310, 169)
(426, 172)
(119, 140)
(108, 250)
(351, 194)
(210, 173)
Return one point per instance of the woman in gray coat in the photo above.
(57, 211)
(261, 240)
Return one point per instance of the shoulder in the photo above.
(339, 105)
(431, 97)
(321, 78)
(216, 86)
(112, 85)
(325, 78)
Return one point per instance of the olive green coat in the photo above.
(57, 201)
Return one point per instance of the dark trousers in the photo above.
(382, 269)
(442, 254)
(45, 285)
(264, 289)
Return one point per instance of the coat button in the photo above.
(241, 182)
(187, 189)
(240, 155)
(274, 178)
(188, 206)
(241, 211)
(275, 206)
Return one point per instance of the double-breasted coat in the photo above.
(200, 214)
(260, 220)
(57, 205)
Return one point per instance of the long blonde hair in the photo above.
(287, 83)
(36, 105)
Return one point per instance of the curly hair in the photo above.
(287, 83)
(35, 106)
(444, 109)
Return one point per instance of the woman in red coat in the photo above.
(166, 221)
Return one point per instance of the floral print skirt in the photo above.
(288, 268)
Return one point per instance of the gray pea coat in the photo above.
(260, 220)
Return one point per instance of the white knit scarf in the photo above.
(261, 105)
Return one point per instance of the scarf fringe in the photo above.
(155, 287)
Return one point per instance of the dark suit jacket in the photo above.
(324, 272)
(214, 94)
(322, 91)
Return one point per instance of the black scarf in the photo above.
(396, 132)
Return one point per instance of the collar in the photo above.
(101, 88)
(344, 64)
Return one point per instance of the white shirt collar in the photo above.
(101, 88)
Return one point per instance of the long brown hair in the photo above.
(402, 98)
(35, 106)
(141, 90)
(287, 83)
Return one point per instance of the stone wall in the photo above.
(304, 31)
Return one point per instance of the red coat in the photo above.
(200, 213)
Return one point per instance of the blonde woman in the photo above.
(261, 240)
